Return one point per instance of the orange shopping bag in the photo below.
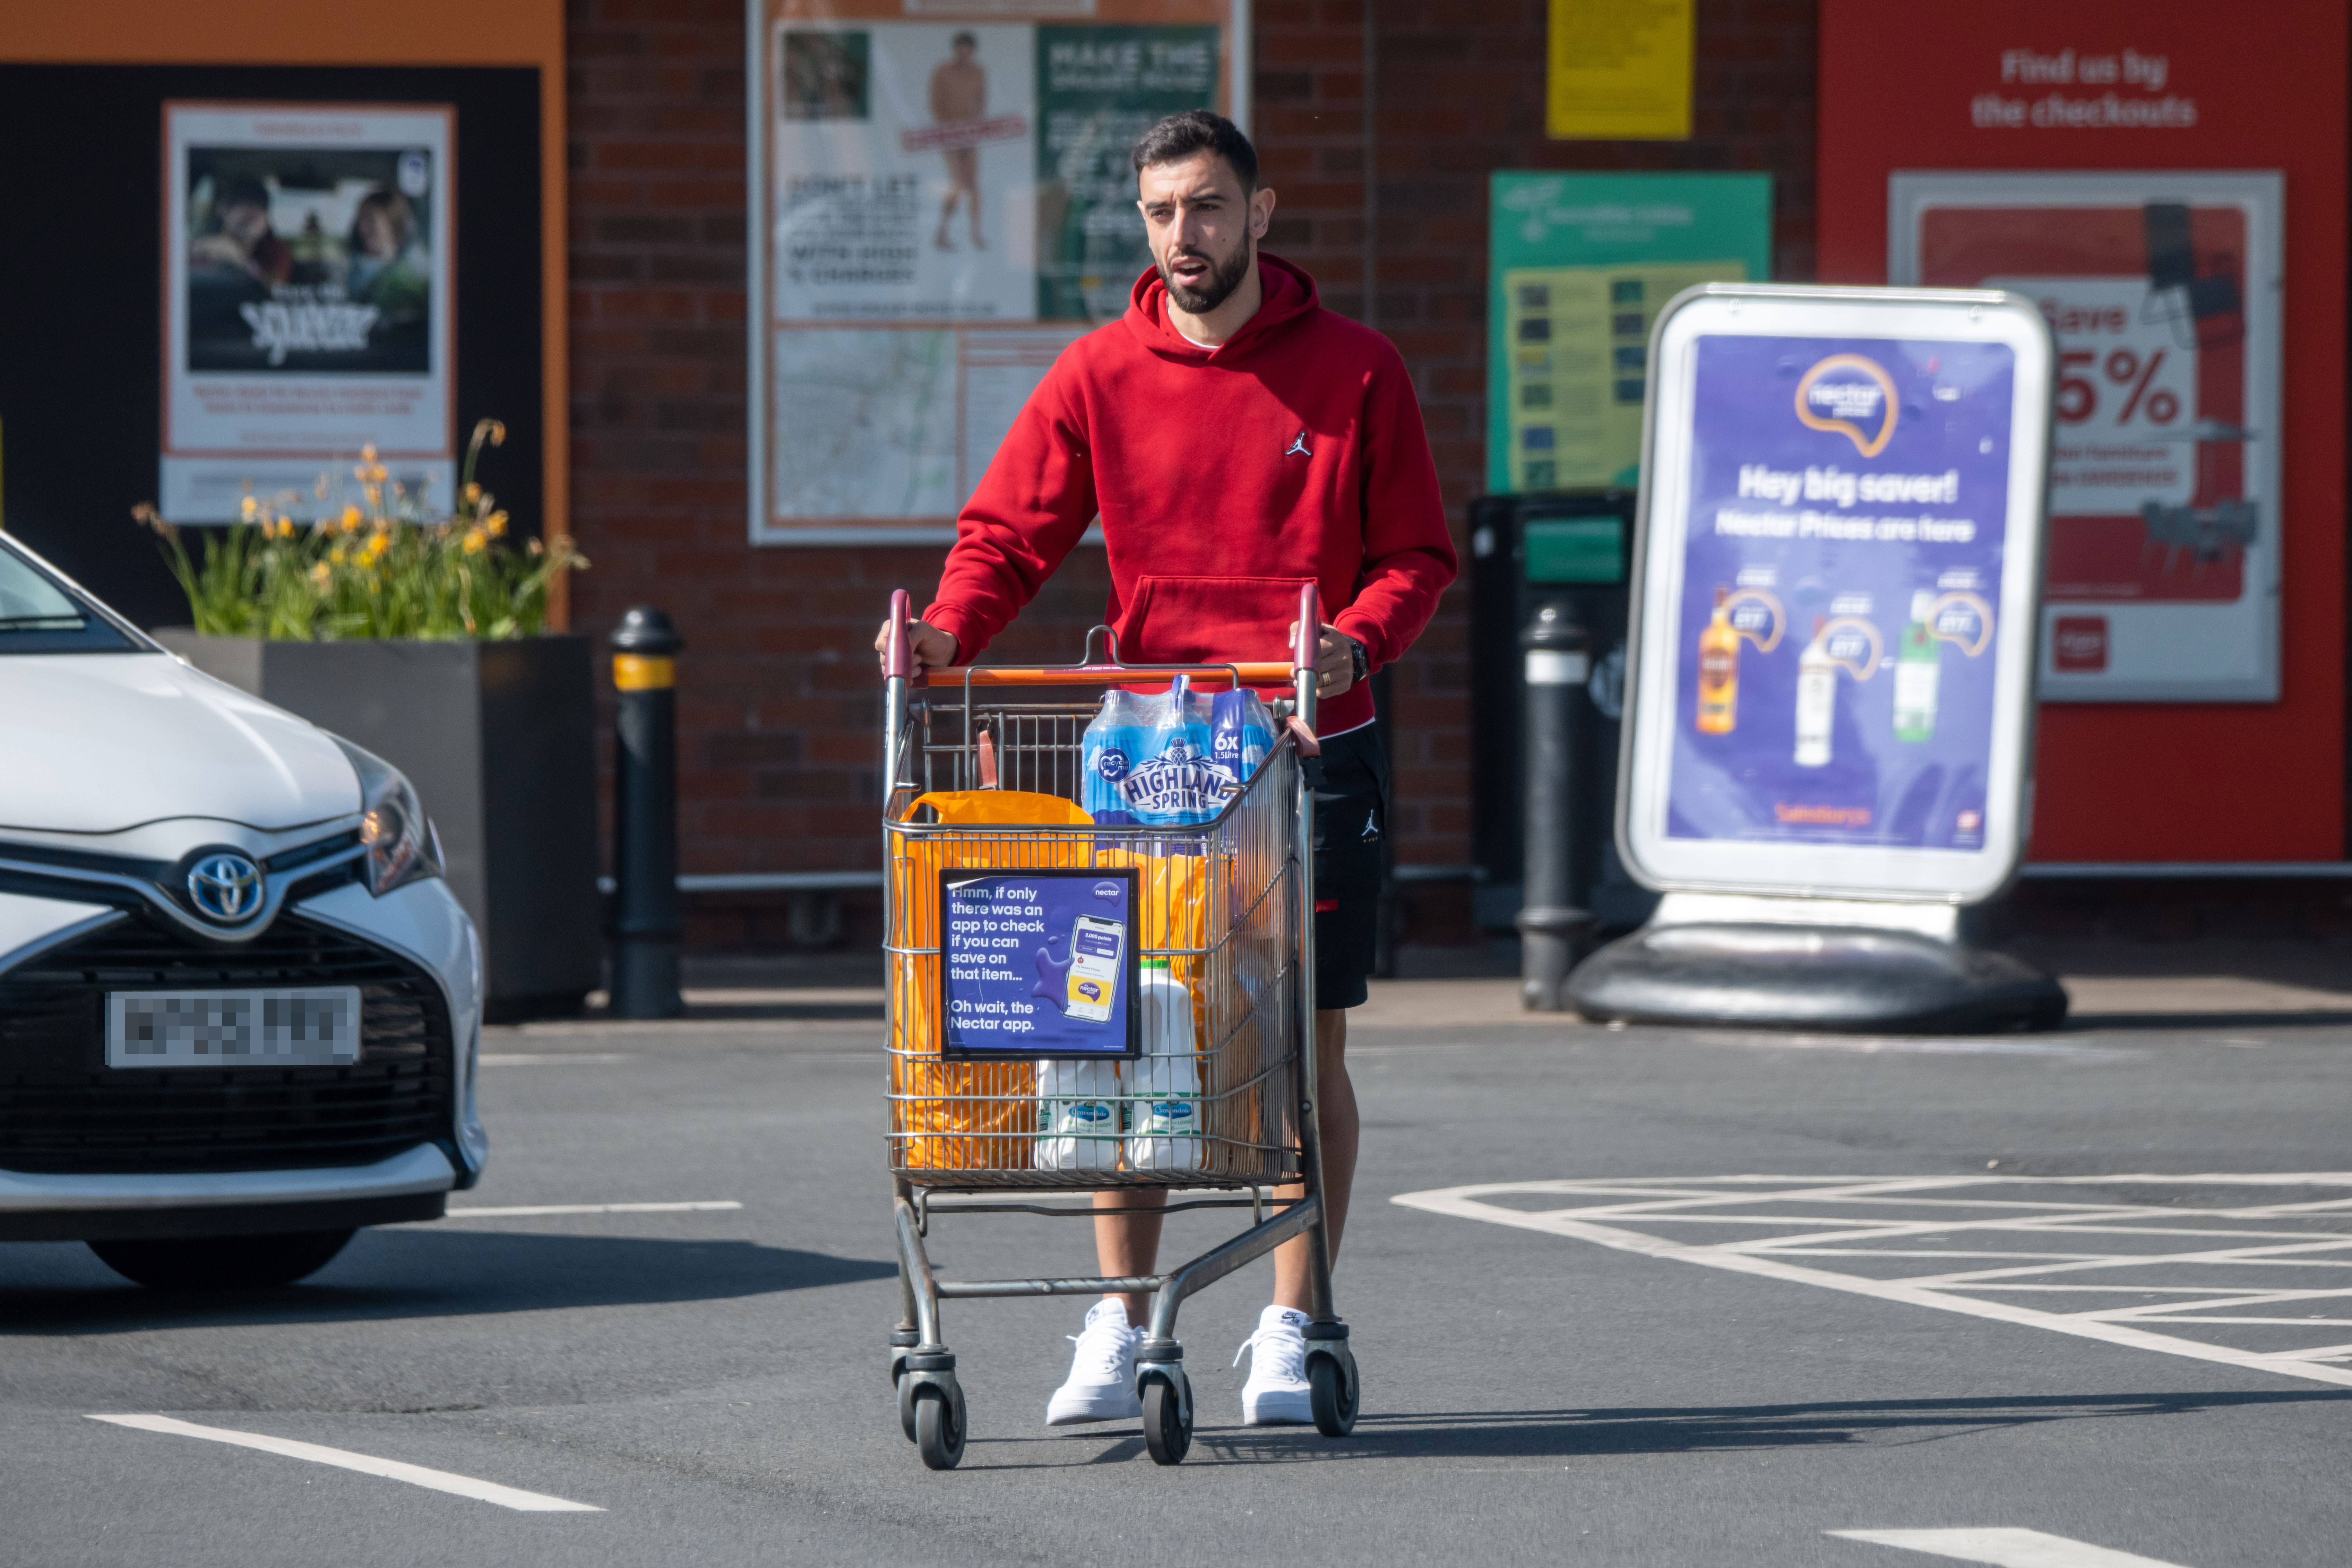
(962, 1116)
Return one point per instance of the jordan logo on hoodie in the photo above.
(1298, 448)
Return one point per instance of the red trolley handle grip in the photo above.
(898, 659)
(1311, 630)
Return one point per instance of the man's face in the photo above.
(1203, 228)
(963, 52)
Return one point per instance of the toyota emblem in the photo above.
(227, 887)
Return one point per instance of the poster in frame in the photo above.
(2163, 288)
(1039, 963)
(308, 308)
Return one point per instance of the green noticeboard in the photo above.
(1579, 267)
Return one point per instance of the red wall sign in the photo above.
(2197, 545)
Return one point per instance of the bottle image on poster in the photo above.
(1856, 491)
(1718, 671)
(1918, 665)
(1816, 702)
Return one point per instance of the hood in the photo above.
(100, 743)
(1289, 294)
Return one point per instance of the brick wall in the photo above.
(777, 744)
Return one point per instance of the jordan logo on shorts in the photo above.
(1298, 448)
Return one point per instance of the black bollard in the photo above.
(1559, 665)
(644, 818)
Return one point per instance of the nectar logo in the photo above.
(1848, 394)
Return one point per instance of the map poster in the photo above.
(1835, 640)
(306, 300)
(1038, 964)
(1582, 265)
(945, 203)
(2161, 290)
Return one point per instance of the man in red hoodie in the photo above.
(1237, 441)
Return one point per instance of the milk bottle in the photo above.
(1077, 1115)
(1164, 1083)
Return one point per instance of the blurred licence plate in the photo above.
(314, 1027)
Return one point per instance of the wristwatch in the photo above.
(1361, 661)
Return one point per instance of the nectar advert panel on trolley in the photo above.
(1037, 962)
(1839, 565)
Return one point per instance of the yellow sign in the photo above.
(1578, 345)
(1619, 69)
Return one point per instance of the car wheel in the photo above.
(223, 1262)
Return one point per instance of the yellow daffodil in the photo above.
(352, 518)
(473, 493)
(495, 525)
(367, 453)
(475, 540)
(338, 555)
(250, 508)
(320, 574)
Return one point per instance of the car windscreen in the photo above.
(37, 614)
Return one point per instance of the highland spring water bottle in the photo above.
(1113, 745)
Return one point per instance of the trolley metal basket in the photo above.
(1228, 904)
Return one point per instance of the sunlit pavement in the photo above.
(1619, 1295)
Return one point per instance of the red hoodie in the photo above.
(1225, 478)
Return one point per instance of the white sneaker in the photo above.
(1102, 1376)
(1277, 1393)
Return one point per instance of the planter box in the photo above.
(498, 737)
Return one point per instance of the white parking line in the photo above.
(551, 1058)
(366, 1463)
(1839, 1217)
(522, 1209)
(2005, 1548)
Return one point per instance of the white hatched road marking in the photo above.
(551, 1058)
(366, 1463)
(2004, 1547)
(522, 1209)
(1832, 1217)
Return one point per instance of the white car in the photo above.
(239, 1008)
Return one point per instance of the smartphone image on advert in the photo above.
(1096, 945)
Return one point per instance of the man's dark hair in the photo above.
(963, 40)
(1194, 130)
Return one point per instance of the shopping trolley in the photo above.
(1228, 904)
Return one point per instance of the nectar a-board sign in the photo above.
(1831, 675)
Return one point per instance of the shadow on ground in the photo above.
(1559, 1436)
(405, 1273)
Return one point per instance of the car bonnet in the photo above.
(101, 742)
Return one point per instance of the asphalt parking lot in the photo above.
(1620, 1296)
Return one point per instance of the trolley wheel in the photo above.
(1333, 1391)
(938, 1425)
(1167, 1425)
(907, 1405)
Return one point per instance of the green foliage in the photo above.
(382, 568)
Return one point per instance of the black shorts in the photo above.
(1351, 818)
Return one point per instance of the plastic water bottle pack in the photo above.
(1174, 760)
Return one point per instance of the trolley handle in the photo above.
(898, 658)
(1302, 652)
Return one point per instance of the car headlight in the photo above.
(402, 846)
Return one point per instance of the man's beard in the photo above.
(1224, 279)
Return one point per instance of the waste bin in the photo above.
(1572, 546)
